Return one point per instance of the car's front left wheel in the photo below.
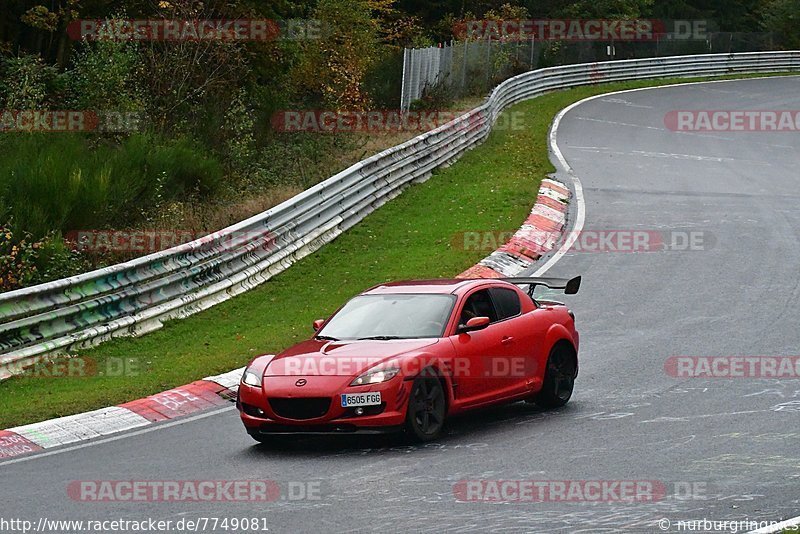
(426, 409)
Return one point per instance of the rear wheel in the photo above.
(559, 379)
(426, 409)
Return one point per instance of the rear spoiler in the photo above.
(570, 286)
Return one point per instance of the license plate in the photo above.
(352, 400)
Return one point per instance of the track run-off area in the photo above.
(717, 449)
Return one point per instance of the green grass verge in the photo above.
(64, 182)
(491, 188)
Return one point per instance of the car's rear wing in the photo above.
(569, 285)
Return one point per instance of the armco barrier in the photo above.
(137, 296)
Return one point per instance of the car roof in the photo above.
(441, 286)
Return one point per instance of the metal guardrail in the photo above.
(135, 297)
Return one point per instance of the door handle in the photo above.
(507, 340)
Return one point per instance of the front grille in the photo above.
(304, 408)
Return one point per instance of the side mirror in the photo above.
(318, 324)
(476, 323)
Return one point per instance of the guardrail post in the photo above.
(139, 295)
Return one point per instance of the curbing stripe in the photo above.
(80, 427)
(506, 264)
(538, 235)
(198, 396)
(522, 248)
(549, 213)
(480, 271)
(553, 203)
(143, 409)
(178, 402)
(229, 380)
(543, 223)
(12, 444)
(555, 186)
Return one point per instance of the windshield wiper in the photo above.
(379, 338)
(326, 338)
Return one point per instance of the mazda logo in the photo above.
(300, 383)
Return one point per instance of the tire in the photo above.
(426, 410)
(559, 379)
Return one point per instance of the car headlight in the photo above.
(251, 378)
(375, 376)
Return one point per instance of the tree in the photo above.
(783, 18)
(332, 67)
(607, 9)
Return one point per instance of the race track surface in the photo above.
(724, 448)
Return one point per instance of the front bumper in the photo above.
(260, 418)
(320, 430)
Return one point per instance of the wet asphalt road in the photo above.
(724, 449)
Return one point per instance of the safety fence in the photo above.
(472, 67)
(137, 296)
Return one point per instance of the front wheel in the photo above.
(426, 409)
(559, 380)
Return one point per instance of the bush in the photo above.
(105, 77)
(434, 97)
(384, 80)
(25, 261)
(240, 127)
(26, 82)
(60, 183)
(782, 17)
(332, 69)
(17, 260)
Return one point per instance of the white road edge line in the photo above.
(145, 430)
(579, 222)
(576, 184)
(580, 218)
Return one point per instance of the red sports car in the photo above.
(405, 355)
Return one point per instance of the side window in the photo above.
(479, 304)
(506, 301)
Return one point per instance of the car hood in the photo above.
(340, 358)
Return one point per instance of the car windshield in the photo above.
(394, 316)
